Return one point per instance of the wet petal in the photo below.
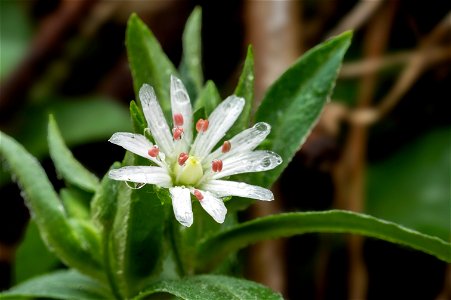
(142, 174)
(223, 188)
(220, 120)
(135, 143)
(255, 161)
(244, 141)
(155, 119)
(213, 206)
(181, 105)
(181, 203)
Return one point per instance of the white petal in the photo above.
(220, 120)
(246, 140)
(255, 161)
(135, 143)
(181, 105)
(213, 206)
(139, 174)
(223, 188)
(181, 203)
(155, 119)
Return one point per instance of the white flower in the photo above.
(187, 167)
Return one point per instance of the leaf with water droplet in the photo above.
(293, 103)
(244, 89)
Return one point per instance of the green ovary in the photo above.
(190, 173)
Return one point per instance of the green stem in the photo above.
(173, 242)
(107, 265)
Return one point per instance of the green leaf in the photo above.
(78, 120)
(191, 64)
(104, 202)
(67, 284)
(294, 102)
(148, 62)
(76, 203)
(245, 89)
(137, 237)
(211, 287)
(32, 256)
(65, 163)
(48, 212)
(186, 239)
(417, 191)
(216, 248)
(103, 212)
(208, 99)
(138, 119)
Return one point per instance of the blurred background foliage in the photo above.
(382, 146)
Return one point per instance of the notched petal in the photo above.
(213, 206)
(181, 203)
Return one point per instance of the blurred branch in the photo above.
(52, 32)
(355, 69)
(273, 28)
(446, 291)
(426, 56)
(358, 16)
(349, 174)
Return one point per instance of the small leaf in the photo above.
(138, 119)
(211, 287)
(208, 99)
(67, 284)
(148, 62)
(245, 89)
(104, 202)
(76, 202)
(78, 120)
(294, 102)
(191, 65)
(56, 231)
(137, 237)
(65, 163)
(216, 248)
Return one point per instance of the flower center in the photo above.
(188, 173)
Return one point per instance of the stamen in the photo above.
(226, 147)
(178, 120)
(198, 195)
(153, 152)
(182, 158)
(216, 165)
(202, 125)
(177, 133)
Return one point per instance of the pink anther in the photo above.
(198, 195)
(202, 125)
(216, 165)
(153, 152)
(226, 147)
(178, 120)
(177, 133)
(182, 158)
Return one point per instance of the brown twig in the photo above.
(272, 27)
(359, 68)
(446, 291)
(426, 56)
(350, 171)
(358, 16)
